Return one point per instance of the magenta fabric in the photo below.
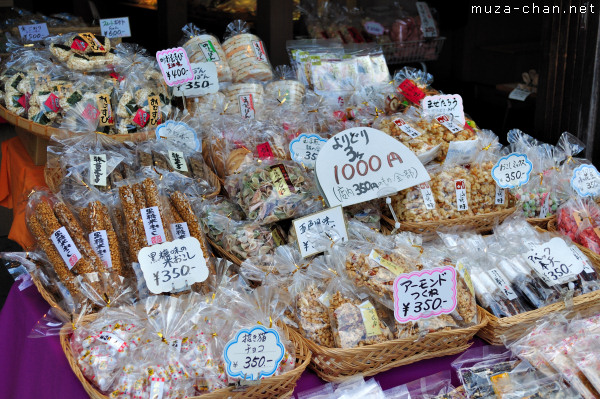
(34, 368)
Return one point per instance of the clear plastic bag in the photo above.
(201, 46)
(246, 54)
(82, 51)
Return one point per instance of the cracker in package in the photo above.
(246, 54)
(203, 47)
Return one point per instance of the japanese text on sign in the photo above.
(106, 117)
(115, 27)
(449, 123)
(66, 247)
(99, 242)
(98, 169)
(427, 195)
(500, 197)
(411, 91)
(246, 106)
(177, 161)
(259, 51)
(461, 195)
(362, 163)
(155, 233)
(254, 353)
(502, 283)
(154, 114)
(406, 128)
(282, 184)
(512, 170)
(445, 104)
(206, 81)
(173, 265)
(208, 49)
(427, 22)
(180, 230)
(586, 181)
(175, 66)
(33, 33)
(311, 228)
(554, 262)
(424, 294)
(179, 133)
(305, 148)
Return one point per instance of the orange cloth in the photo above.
(18, 175)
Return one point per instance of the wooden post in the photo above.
(172, 15)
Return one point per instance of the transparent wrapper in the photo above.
(368, 214)
(214, 215)
(203, 47)
(433, 386)
(245, 100)
(285, 88)
(579, 219)
(300, 52)
(246, 54)
(246, 239)
(82, 51)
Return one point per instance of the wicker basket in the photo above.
(224, 254)
(541, 222)
(281, 386)
(334, 364)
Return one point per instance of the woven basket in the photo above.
(280, 386)
(477, 224)
(541, 222)
(225, 254)
(334, 364)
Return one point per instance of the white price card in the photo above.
(425, 294)
(512, 170)
(175, 66)
(427, 22)
(206, 81)
(305, 148)
(362, 163)
(99, 242)
(519, 94)
(449, 123)
(406, 128)
(177, 161)
(173, 265)
(445, 104)
(180, 134)
(153, 226)
(33, 33)
(115, 27)
(554, 261)
(374, 28)
(317, 226)
(66, 247)
(586, 181)
(98, 169)
(254, 354)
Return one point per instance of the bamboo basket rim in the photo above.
(303, 356)
(228, 255)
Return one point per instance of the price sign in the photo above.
(448, 122)
(554, 261)
(312, 227)
(305, 148)
(424, 294)
(205, 81)
(98, 169)
(115, 27)
(33, 33)
(411, 91)
(254, 354)
(445, 104)
(512, 170)
(519, 94)
(66, 247)
(362, 163)
(175, 66)
(427, 22)
(173, 265)
(374, 28)
(586, 181)
(406, 128)
(180, 134)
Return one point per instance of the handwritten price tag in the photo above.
(374, 28)
(205, 81)
(175, 66)
(554, 261)
(305, 149)
(425, 294)
(586, 181)
(445, 104)
(310, 228)
(33, 33)
(512, 170)
(519, 94)
(173, 265)
(115, 27)
(254, 353)
(180, 134)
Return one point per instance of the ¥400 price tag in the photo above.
(512, 170)
(554, 261)
(175, 66)
(254, 353)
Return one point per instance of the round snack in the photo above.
(206, 48)
(244, 99)
(247, 58)
(290, 91)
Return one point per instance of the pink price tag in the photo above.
(175, 66)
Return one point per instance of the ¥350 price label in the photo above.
(305, 148)
(586, 181)
(205, 81)
(254, 354)
(555, 262)
(512, 170)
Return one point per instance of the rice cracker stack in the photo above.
(246, 54)
(206, 48)
(245, 99)
(290, 91)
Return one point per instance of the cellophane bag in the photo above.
(579, 218)
(83, 52)
(201, 46)
(247, 238)
(246, 54)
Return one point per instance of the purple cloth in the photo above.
(33, 368)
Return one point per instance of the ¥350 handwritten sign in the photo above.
(362, 163)
(512, 170)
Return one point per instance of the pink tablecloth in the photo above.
(33, 368)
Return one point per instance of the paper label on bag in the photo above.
(519, 94)
(106, 117)
(154, 114)
(157, 388)
(502, 283)
(500, 195)
(112, 340)
(246, 106)
(545, 208)
(115, 27)
(206, 81)
(427, 22)
(370, 319)
(449, 123)
(425, 294)
(209, 51)
(175, 66)
(512, 170)
(319, 225)
(259, 51)
(374, 28)
(461, 195)
(174, 265)
(99, 242)
(33, 33)
(177, 161)
(155, 233)
(427, 195)
(305, 148)
(586, 181)
(406, 128)
(180, 230)
(254, 353)
(92, 42)
(445, 104)
(379, 259)
(554, 261)
(411, 91)
(66, 247)
(281, 181)
(98, 173)
(264, 151)
(464, 272)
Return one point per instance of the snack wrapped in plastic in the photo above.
(245, 100)
(246, 239)
(246, 54)
(579, 219)
(285, 88)
(203, 47)
(215, 214)
(82, 51)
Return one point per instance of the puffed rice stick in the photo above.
(131, 220)
(153, 199)
(100, 220)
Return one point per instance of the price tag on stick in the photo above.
(33, 33)
(512, 170)
(206, 81)
(175, 66)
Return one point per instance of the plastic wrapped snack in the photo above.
(215, 214)
(579, 219)
(246, 239)
(245, 100)
(285, 88)
(246, 54)
(203, 47)
(273, 191)
(82, 51)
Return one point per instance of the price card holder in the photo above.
(312, 227)
(305, 148)
(512, 170)
(445, 104)
(180, 134)
(33, 33)
(586, 181)
(175, 66)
